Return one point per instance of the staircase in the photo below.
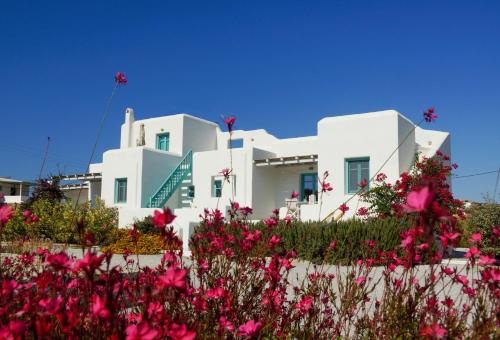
(176, 178)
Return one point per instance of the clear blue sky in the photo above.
(275, 65)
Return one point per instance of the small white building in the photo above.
(176, 161)
(14, 191)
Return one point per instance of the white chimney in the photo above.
(127, 129)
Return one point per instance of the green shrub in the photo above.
(146, 226)
(482, 218)
(145, 243)
(57, 222)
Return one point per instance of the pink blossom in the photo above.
(250, 328)
(304, 305)
(381, 177)
(473, 252)
(5, 213)
(274, 241)
(120, 78)
(434, 331)
(463, 279)
(475, 238)
(343, 207)
(363, 183)
(229, 123)
(485, 260)
(362, 211)
(175, 278)
(51, 305)
(141, 331)
(429, 115)
(226, 324)
(226, 173)
(161, 219)
(295, 194)
(13, 330)
(181, 332)
(99, 307)
(288, 219)
(360, 280)
(418, 201)
(332, 245)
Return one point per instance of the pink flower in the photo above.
(160, 219)
(343, 207)
(5, 213)
(120, 78)
(429, 115)
(304, 305)
(225, 324)
(175, 278)
(181, 332)
(229, 123)
(407, 241)
(473, 252)
(362, 211)
(363, 183)
(475, 238)
(250, 328)
(13, 330)
(294, 194)
(332, 245)
(141, 331)
(360, 280)
(463, 279)
(51, 305)
(99, 307)
(274, 241)
(225, 172)
(418, 201)
(434, 331)
(485, 260)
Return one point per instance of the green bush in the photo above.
(482, 218)
(146, 226)
(311, 239)
(57, 222)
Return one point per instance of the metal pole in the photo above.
(496, 186)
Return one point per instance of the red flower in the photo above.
(160, 219)
(363, 183)
(225, 324)
(485, 260)
(434, 331)
(429, 115)
(332, 245)
(250, 328)
(472, 253)
(418, 201)
(51, 305)
(294, 194)
(325, 186)
(225, 172)
(99, 307)
(142, 331)
(360, 280)
(343, 207)
(175, 278)
(362, 211)
(304, 305)
(475, 238)
(5, 213)
(229, 123)
(274, 241)
(120, 78)
(181, 332)
(13, 330)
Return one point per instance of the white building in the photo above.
(176, 160)
(14, 191)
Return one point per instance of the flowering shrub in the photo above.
(55, 221)
(130, 242)
(483, 219)
(241, 285)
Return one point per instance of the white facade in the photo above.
(265, 169)
(14, 191)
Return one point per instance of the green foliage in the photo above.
(482, 218)
(146, 226)
(45, 190)
(57, 222)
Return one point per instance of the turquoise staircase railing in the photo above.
(172, 183)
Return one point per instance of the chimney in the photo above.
(129, 116)
(127, 129)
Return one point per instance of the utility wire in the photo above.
(44, 157)
(473, 175)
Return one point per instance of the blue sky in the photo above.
(279, 65)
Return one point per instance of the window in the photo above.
(162, 141)
(191, 191)
(13, 191)
(217, 188)
(356, 169)
(235, 143)
(308, 185)
(120, 190)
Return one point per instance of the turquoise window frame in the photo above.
(235, 143)
(217, 188)
(119, 181)
(163, 138)
(359, 177)
(302, 184)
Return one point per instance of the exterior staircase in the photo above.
(180, 176)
